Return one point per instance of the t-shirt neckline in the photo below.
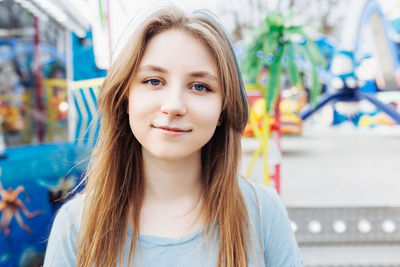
(159, 240)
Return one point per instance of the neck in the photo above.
(170, 181)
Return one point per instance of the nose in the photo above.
(173, 104)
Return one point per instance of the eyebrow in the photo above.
(153, 68)
(204, 74)
(196, 74)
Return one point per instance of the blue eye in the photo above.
(153, 82)
(200, 87)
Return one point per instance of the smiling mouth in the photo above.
(171, 129)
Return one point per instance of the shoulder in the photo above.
(260, 197)
(269, 217)
(73, 205)
(61, 245)
(71, 211)
(68, 218)
(264, 206)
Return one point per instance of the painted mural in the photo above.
(31, 191)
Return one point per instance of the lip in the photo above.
(171, 131)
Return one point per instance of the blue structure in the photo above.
(346, 88)
(84, 65)
(348, 91)
(16, 47)
(35, 181)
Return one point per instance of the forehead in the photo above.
(176, 48)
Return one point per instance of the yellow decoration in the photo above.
(381, 118)
(263, 136)
(53, 100)
(259, 109)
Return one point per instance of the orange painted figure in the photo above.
(10, 207)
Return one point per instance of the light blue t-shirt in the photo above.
(272, 242)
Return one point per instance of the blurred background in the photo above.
(323, 83)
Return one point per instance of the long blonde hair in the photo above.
(114, 181)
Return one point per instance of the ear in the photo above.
(219, 121)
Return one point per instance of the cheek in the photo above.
(140, 102)
(132, 119)
(136, 112)
(138, 124)
(208, 116)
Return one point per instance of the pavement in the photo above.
(342, 166)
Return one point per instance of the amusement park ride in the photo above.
(345, 86)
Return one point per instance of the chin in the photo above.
(173, 155)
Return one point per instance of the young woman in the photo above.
(162, 188)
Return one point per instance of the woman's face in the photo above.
(176, 96)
